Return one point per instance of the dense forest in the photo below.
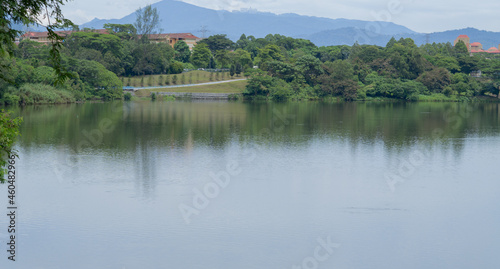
(278, 67)
(294, 68)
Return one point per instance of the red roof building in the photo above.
(173, 38)
(493, 50)
(43, 37)
(475, 47)
(463, 38)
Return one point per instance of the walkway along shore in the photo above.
(130, 88)
(191, 95)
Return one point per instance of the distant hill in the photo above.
(24, 28)
(348, 36)
(178, 16)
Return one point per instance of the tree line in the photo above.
(279, 67)
(295, 68)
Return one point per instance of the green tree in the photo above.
(147, 21)
(29, 13)
(182, 52)
(176, 68)
(242, 43)
(460, 48)
(269, 53)
(339, 80)
(232, 70)
(9, 130)
(467, 63)
(123, 31)
(406, 59)
(238, 69)
(436, 79)
(201, 56)
(259, 84)
(222, 58)
(217, 42)
(310, 67)
(282, 70)
(44, 74)
(243, 57)
(447, 62)
(152, 58)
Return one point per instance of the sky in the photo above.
(425, 16)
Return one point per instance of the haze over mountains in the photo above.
(178, 16)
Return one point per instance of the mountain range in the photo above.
(178, 17)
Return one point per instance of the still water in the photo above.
(257, 185)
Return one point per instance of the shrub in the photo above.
(176, 68)
(281, 91)
(11, 99)
(9, 131)
(43, 94)
(127, 96)
(188, 66)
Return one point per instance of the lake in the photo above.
(257, 185)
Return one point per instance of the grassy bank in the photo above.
(229, 87)
(30, 94)
(192, 77)
(439, 97)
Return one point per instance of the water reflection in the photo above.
(163, 135)
(106, 180)
(186, 124)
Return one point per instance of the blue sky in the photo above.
(418, 15)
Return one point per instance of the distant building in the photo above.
(173, 38)
(43, 37)
(475, 47)
(476, 74)
(463, 38)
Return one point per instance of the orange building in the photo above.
(43, 37)
(463, 38)
(173, 38)
(475, 47)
